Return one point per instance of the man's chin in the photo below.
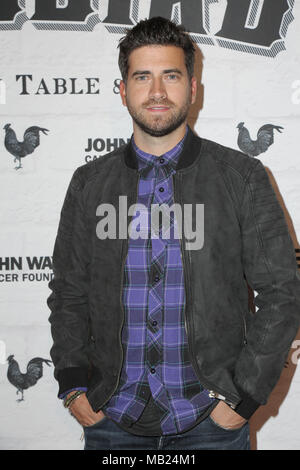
(159, 130)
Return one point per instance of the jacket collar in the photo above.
(186, 158)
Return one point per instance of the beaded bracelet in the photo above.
(75, 398)
(75, 395)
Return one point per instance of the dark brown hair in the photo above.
(156, 31)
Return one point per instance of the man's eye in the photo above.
(172, 76)
(141, 77)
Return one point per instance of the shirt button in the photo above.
(152, 371)
(161, 189)
(156, 279)
(161, 160)
(154, 323)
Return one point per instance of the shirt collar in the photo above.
(147, 161)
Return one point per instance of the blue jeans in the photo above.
(207, 435)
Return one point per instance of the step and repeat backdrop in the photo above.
(60, 108)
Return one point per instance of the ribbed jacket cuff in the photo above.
(71, 377)
(247, 407)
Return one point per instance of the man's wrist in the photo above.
(67, 391)
(71, 393)
(71, 397)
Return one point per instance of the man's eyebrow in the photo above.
(141, 72)
(173, 71)
(147, 72)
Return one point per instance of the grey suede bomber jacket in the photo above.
(236, 353)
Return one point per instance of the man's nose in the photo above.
(158, 90)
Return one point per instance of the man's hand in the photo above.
(81, 409)
(226, 417)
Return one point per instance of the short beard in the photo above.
(175, 121)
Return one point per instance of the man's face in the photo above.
(158, 93)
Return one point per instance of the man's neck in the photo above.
(158, 145)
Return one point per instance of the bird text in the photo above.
(247, 26)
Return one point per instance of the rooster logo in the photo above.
(21, 149)
(265, 138)
(23, 381)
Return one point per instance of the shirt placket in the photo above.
(161, 195)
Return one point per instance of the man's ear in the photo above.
(123, 92)
(193, 89)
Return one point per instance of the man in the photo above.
(155, 346)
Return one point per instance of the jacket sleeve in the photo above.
(64, 394)
(68, 301)
(271, 270)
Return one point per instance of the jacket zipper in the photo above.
(244, 330)
(244, 327)
(124, 253)
(213, 390)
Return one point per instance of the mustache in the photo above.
(162, 102)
